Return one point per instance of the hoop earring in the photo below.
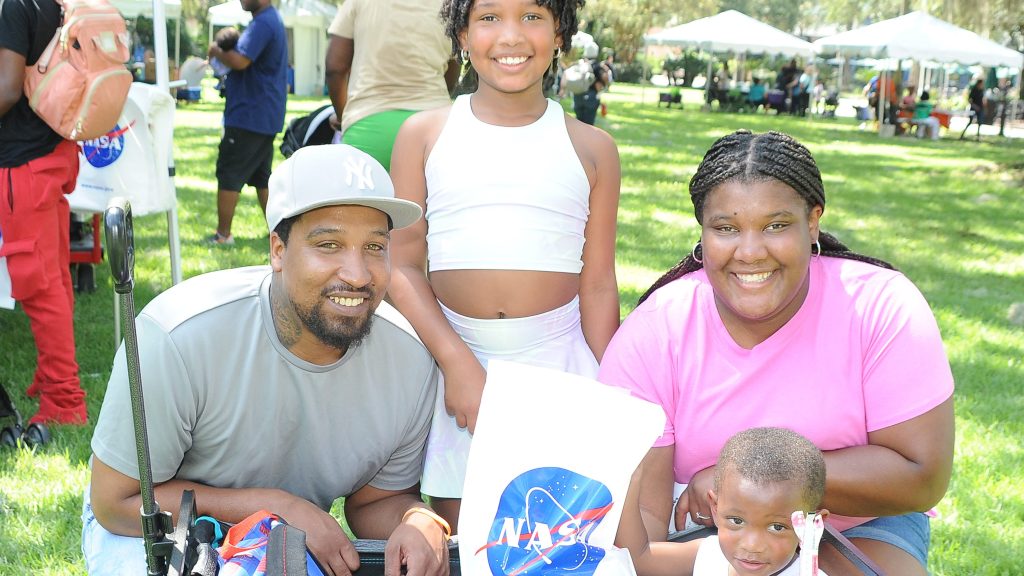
(464, 54)
(693, 253)
(558, 53)
(816, 253)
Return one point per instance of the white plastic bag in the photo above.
(548, 471)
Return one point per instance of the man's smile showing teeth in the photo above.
(753, 278)
(512, 61)
(347, 301)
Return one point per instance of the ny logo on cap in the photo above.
(357, 169)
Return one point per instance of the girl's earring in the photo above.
(464, 54)
(558, 53)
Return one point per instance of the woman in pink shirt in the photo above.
(772, 322)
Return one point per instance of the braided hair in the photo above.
(750, 157)
(455, 15)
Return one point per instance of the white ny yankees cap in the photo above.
(332, 175)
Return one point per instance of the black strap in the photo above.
(286, 551)
(849, 551)
(831, 537)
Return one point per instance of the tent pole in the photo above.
(160, 44)
(707, 81)
(177, 42)
(880, 112)
(643, 80)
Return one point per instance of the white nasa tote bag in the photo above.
(547, 474)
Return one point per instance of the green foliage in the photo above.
(143, 28)
(782, 14)
(632, 72)
(947, 213)
(621, 24)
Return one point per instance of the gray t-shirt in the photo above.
(227, 405)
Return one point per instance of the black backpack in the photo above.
(311, 129)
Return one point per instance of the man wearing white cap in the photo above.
(282, 387)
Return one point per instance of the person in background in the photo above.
(763, 476)
(386, 60)
(909, 99)
(800, 92)
(586, 104)
(770, 321)
(226, 38)
(256, 93)
(305, 341)
(926, 123)
(976, 102)
(757, 96)
(37, 168)
(609, 67)
(976, 99)
(515, 258)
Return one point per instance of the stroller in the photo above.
(311, 129)
(16, 433)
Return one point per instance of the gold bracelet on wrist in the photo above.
(445, 527)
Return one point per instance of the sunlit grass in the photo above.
(947, 213)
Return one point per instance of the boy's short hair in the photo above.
(227, 38)
(770, 455)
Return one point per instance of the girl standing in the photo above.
(515, 257)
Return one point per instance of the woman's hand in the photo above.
(695, 500)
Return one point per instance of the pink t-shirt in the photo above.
(862, 353)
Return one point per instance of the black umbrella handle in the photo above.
(120, 243)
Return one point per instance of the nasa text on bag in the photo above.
(131, 159)
(548, 470)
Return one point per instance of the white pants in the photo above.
(929, 125)
(550, 340)
(106, 553)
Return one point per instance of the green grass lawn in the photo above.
(947, 213)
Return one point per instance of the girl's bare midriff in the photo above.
(490, 294)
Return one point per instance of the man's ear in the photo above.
(277, 250)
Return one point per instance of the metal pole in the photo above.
(1004, 92)
(121, 251)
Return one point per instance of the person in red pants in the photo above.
(37, 168)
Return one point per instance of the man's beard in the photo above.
(343, 334)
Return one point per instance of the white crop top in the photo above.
(505, 198)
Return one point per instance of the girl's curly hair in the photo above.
(455, 15)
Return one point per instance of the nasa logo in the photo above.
(106, 149)
(543, 523)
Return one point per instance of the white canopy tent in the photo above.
(920, 36)
(306, 22)
(732, 31)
